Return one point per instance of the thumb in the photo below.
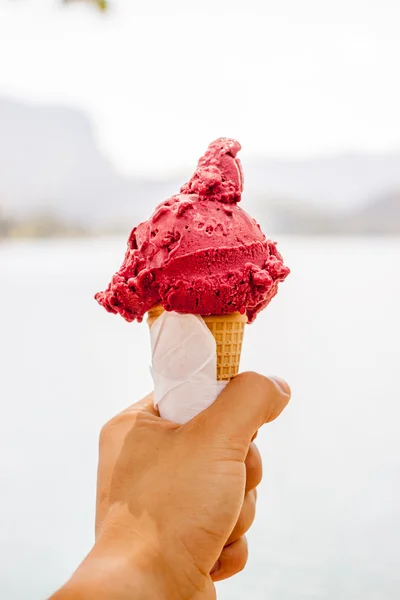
(245, 404)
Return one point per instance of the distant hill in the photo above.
(50, 164)
(334, 182)
(50, 161)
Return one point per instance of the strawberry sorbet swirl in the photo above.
(199, 252)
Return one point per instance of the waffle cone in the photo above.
(227, 330)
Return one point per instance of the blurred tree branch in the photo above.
(100, 4)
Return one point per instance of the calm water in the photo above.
(328, 524)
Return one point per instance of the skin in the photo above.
(174, 501)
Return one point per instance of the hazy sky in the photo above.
(163, 78)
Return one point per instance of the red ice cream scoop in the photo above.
(199, 252)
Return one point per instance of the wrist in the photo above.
(121, 566)
(154, 564)
(105, 578)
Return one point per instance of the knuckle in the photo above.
(105, 431)
(243, 555)
(245, 519)
(254, 478)
(253, 380)
(243, 564)
(254, 466)
(138, 418)
(248, 517)
(120, 422)
(257, 475)
(248, 377)
(267, 386)
(111, 425)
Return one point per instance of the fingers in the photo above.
(253, 468)
(246, 517)
(232, 560)
(246, 403)
(253, 478)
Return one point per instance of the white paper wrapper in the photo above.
(184, 366)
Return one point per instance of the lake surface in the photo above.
(328, 522)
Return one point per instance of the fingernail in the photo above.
(215, 567)
(282, 385)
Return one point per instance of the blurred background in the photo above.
(105, 107)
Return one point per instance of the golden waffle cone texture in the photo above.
(228, 331)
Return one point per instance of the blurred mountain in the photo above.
(335, 182)
(50, 165)
(50, 161)
(378, 217)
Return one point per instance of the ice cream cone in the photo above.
(227, 330)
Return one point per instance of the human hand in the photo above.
(174, 501)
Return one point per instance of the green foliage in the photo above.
(102, 5)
